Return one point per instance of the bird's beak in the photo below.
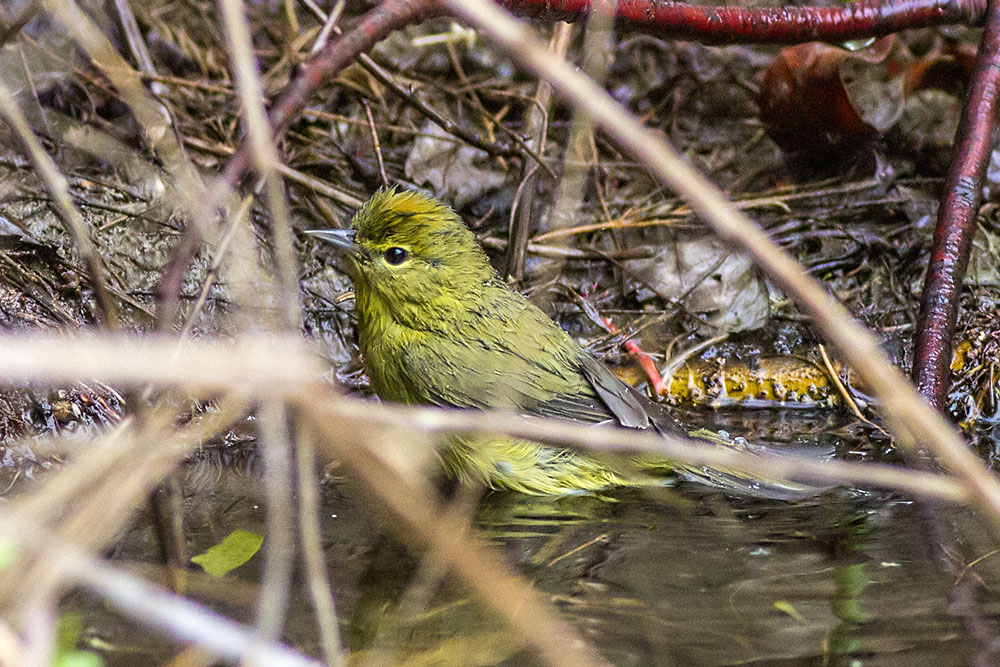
(341, 238)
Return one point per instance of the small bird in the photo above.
(437, 325)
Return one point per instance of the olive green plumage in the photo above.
(438, 326)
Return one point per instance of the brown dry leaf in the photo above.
(947, 68)
(815, 95)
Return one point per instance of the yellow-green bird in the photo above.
(438, 326)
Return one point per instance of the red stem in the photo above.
(956, 223)
(771, 25)
(643, 359)
(648, 366)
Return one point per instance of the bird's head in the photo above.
(410, 251)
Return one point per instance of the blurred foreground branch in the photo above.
(179, 618)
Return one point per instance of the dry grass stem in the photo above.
(279, 547)
(265, 155)
(259, 366)
(312, 549)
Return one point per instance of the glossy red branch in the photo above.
(956, 223)
(772, 25)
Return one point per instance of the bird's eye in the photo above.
(396, 255)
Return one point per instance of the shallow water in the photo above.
(670, 576)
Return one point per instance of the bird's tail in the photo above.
(735, 481)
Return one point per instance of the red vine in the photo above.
(956, 223)
(759, 25)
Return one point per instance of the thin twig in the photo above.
(562, 253)
(279, 551)
(676, 361)
(329, 23)
(842, 390)
(265, 158)
(312, 549)
(537, 129)
(375, 142)
(136, 43)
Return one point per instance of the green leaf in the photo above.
(237, 548)
(78, 659)
(788, 608)
(68, 633)
(7, 552)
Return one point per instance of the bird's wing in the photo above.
(629, 406)
(604, 398)
(624, 402)
(575, 406)
(535, 380)
(514, 357)
(528, 388)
